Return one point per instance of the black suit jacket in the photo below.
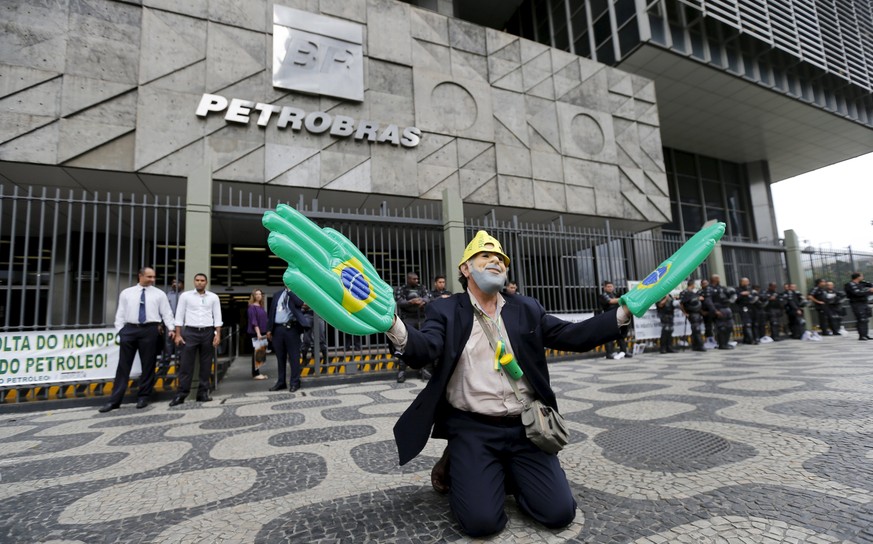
(296, 310)
(446, 331)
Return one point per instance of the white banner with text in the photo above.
(53, 357)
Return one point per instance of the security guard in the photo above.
(665, 313)
(745, 302)
(816, 297)
(607, 301)
(691, 305)
(774, 309)
(794, 304)
(835, 310)
(716, 301)
(857, 291)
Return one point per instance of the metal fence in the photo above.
(66, 255)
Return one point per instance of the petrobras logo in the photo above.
(317, 54)
(655, 277)
(240, 111)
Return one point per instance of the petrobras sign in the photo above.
(241, 111)
(317, 54)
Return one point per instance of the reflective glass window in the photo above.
(689, 192)
(624, 11)
(685, 163)
(602, 30)
(712, 194)
(708, 167)
(692, 216)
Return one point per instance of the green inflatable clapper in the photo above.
(507, 361)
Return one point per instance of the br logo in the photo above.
(655, 277)
(357, 288)
(317, 54)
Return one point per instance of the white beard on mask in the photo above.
(486, 281)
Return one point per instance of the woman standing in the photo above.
(257, 317)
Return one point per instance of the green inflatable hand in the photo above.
(329, 273)
(671, 272)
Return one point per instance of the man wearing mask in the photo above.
(471, 403)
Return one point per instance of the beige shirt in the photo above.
(474, 385)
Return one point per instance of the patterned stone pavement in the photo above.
(770, 443)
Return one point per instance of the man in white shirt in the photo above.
(198, 322)
(141, 309)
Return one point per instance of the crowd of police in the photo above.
(765, 315)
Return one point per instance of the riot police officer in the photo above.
(666, 310)
(816, 297)
(691, 305)
(411, 299)
(857, 291)
(745, 302)
(607, 301)
(794, 309)
(716, 301)
(774, 309)
(835, 310)
(708, 320)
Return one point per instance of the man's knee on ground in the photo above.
(482, 526)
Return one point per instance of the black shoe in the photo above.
(141, 403)
(698, 349)
(726, 347)
(177, 400)
(204, 397)
(278, 387)
(863, 338)
(671, 350)
(108, 407)
(401, 377)
(628, 355)
(425, 375)
(295, 387)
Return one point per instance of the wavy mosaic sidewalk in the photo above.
(770, 443)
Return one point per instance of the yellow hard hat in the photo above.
(483, 242)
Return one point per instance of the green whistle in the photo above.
(671, 272)
(507, 361)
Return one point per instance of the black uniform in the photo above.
(793, 302)
(835, 311)
(603, 300)
(774, 308)
(690, 301)
(413, 317)
(857, 293)
(717, 299)
(665, 313)
(746, 300)
(821, 310)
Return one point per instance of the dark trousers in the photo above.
(862, 315)
(255, 370)
(133, 339)
(610, 347)
(483, 456)
(748, 320)
(695, 320)
(775, 316)
(196, 342)
(286, 344)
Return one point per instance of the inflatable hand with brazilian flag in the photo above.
(329, 273)
(671, 272)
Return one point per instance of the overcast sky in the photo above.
(830, 207)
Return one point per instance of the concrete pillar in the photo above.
(763, 214)
(453, 236)
(796, 275)
(715, 261)
(198, 224)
